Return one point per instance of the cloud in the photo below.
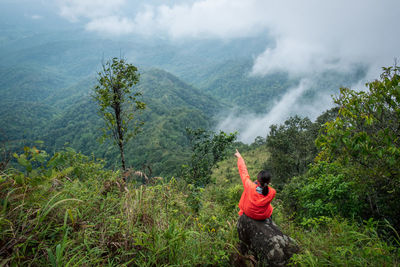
(111, 25)
(311, 38)
(310, 35)
(252, 125)
(36, 17)
(318, 35)
(102, 16)
(73, 10)
(205, 19)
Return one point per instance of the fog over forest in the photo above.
(304, 39)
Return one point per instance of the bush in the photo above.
(338, 242)
(208, 149)
(324, 190)
(364, 141)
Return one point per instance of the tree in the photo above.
(291, 147)
(117, 102)
(208, 149)
(365, 139)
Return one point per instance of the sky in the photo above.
(311, 36)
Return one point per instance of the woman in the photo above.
(256, 197)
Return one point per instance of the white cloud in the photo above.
(209, 18)
(310, 35)
(102, 16)
(73, 10)
(251, 125)
(36, 17)
(320, 35)
(111, 25)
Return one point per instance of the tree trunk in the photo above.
(121, 149)
(120, 136)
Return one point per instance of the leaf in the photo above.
(52, 259)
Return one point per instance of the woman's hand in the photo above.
(237, 154)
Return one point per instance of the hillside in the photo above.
(71, 211)
(233, 82)
(172, 106)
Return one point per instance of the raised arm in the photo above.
(244, 175)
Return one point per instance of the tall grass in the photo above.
(88, 216)
(100, 220)
(327, 241)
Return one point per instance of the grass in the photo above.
(88, 216)
(99, 220)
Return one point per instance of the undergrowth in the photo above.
(65, 219)
(334, 241)
(70, 211)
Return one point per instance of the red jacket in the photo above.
(252, 203)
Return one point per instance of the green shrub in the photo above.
(364, 140)
(323, 191)
(337, 242)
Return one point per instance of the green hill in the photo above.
(172, 106)
(232, 82)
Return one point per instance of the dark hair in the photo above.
(264, 178)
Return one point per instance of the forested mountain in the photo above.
(46, 81)
(68, 118)
(46, 78)
(233, 81)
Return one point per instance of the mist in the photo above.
(309, 38)
(250, 125)
(309, 35)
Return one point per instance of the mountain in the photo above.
(233, 83)
(46, 76)
(172, 105)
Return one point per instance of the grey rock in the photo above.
(265, 241)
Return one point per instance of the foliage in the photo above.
(207, 150)
(117, 103)
(322, 191)
(5, 154)
(337, 242)
(364, 141)
(80, 214)
(291, 146)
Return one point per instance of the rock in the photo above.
(266, 241)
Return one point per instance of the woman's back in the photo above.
(256, 198)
